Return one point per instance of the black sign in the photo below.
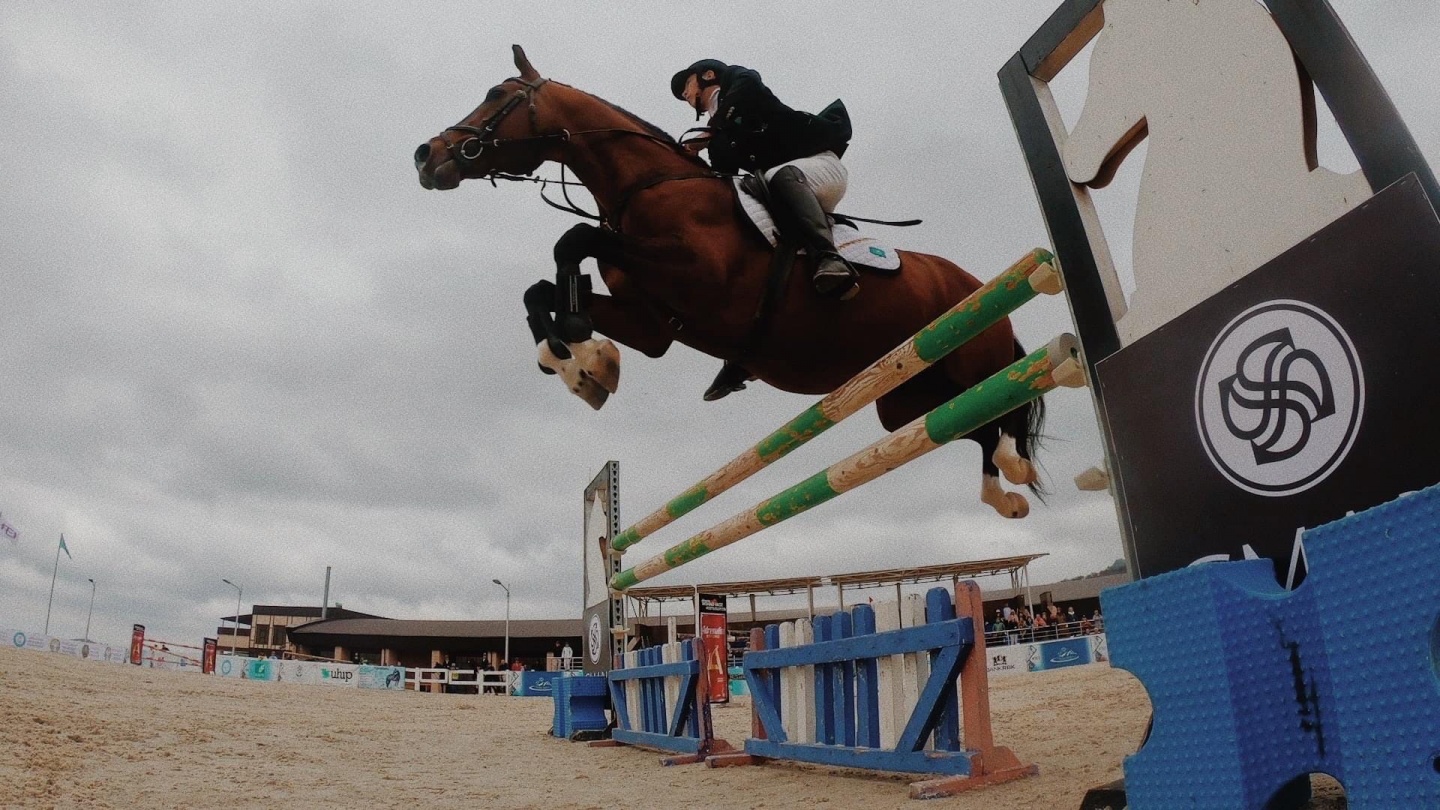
(1301, 392)
(713, 603)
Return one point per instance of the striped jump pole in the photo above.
(1056, 364)
(1036, 273)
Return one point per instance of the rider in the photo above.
(798, 154)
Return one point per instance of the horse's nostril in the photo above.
(422, 154)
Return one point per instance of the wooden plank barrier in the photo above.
(912, 699)
(1054, 364)
(1034, 274)
(659, 701)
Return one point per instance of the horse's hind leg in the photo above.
(1007, 504)
(1012, 457)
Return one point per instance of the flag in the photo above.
(8, 530)
(63, 548)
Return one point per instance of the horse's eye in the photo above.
(495, 93)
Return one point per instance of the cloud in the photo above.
(242, 342)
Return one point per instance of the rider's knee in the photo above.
(788, 174)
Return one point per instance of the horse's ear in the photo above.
(527, 71)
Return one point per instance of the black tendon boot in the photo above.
(732, 378)
(800, 217)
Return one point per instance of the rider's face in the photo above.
(696, 97)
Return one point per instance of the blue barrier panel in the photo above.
(1266, 686)
(846, 710)
(662, 725)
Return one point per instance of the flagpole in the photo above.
(52, 584)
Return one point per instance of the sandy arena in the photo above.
(84, 734)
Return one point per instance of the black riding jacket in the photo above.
(753, 130)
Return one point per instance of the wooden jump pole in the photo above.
(1056, 364)
(1034, 274)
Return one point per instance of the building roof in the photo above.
(860, 579)
(433, 628)
(296, 610)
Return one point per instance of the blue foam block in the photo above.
(579, 705)
(1254, 686)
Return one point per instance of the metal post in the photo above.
(53, 574)
(507, 619)
(92, 609)
(325, 600)
(235, 636)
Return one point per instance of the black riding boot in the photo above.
(800, 216)
(732, 378)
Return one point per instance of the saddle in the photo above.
(864, 252)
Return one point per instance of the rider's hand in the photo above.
(695, 146)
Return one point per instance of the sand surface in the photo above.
(84, 734)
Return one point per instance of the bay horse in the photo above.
(681, 263)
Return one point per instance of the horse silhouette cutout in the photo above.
(680, 263)
(1230, 178)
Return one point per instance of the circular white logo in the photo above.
(596, 634)
(1280, 397)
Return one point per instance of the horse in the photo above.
(681, 263)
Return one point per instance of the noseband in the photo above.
(470, 149)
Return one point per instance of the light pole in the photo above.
(507, 619)
(235, 636)
(92, 608)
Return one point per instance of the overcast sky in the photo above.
(241, 342)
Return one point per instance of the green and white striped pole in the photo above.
(1007, 292)
(1027, 379)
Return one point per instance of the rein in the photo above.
(469, 150)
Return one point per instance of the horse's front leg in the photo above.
(567, 347)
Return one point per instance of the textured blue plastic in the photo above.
(579, 705)
(1254, 686)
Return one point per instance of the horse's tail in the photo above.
(1031, 428)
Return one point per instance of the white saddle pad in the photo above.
(855, 247)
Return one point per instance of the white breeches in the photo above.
(825, 174)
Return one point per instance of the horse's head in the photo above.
(502, 135)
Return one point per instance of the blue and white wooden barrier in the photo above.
(881, 688)
(658, 697)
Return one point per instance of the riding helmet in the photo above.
(677, 82)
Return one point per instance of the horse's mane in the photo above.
(658, 133)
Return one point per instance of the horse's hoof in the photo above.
(589, 390)
(544, 370)
(1016, 506)
(600, 359)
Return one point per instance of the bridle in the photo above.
(469, 150)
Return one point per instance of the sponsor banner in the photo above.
(207, 659)
(250, 669)
(27, 641)
(1067, 652)
(1007, 660)
(1284, 401)
(533, 683)
(319, 673)
(84, 650)
(715, 647)
(1011, 659)
(1099, 650)
(137, 644)
(373, 677)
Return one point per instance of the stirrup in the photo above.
(835, 278)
